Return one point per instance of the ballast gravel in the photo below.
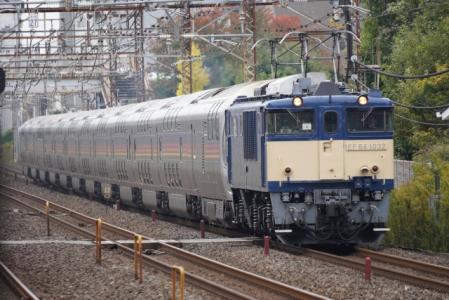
(133, 221)
(300, 271)
(54, 270)
(311, 274)
(6, 293)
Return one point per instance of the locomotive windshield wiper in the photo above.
(368, 113)
(293, 116)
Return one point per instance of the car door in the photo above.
(331, 144)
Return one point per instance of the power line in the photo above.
(430, 4)
(421, 122)
(419, 107)
(403, 77)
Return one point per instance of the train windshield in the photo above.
(286, 121)
(369, 119)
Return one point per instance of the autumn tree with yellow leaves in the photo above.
(200, 76)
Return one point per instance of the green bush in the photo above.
(412, 221)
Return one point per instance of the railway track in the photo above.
(70, 219)
(10, 171)
(399, 262)
(16, 286)
(403, 275)
(403, 262)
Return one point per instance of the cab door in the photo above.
(330, 144)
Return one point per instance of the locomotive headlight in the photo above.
(375, 169)
(297, 101)
(364, 170)
(287, 171)
(362, 100)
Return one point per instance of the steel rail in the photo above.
(378, 270)
(191, 278)
(15, 284)
(260, 281)
(403, 262)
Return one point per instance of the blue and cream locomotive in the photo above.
(303, 159)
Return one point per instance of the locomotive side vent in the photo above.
(250, 135)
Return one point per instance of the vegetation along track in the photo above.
(252, 281)
(15, 284)
(392, 273)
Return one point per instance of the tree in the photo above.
(413, 222)
(412, 35)
(200, 76)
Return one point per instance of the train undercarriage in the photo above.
(334, 221)
(325, 217)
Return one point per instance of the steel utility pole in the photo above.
(186, 50)
(138, 59)
(349, 38)
(248, 25)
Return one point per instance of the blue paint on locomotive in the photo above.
(323, 101)
(309, 186)
(322, 104)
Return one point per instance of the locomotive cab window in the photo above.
(286, 121)
(330, 122)
(369, 119)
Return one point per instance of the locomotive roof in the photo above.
(340, 100)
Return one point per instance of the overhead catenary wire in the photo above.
(436, 107)
(409, 106)
(399, 76)
(421, 122)
(428, 5)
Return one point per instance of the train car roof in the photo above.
(230, 95)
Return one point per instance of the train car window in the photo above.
(209, 128)
(290, 122)
(217, 122)
(234, 126)
(240, 125)
(216, 128)
(330, 121)
(369, 119)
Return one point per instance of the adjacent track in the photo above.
(404, 262)
(15, 284)
(404, 276)
(255, 281)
